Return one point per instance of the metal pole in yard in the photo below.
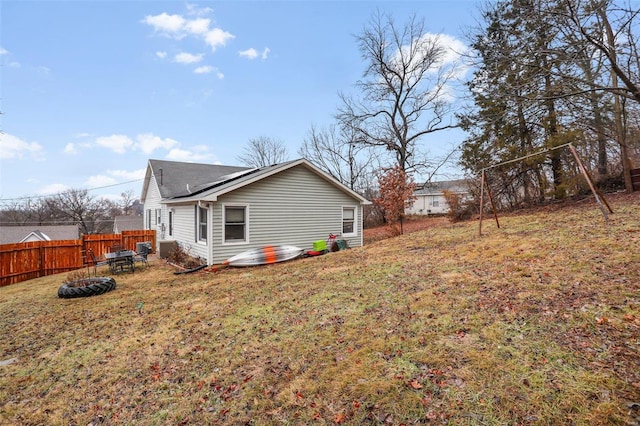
(481, 203)
(589, 181)
(493, 205)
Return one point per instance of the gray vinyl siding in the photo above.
(184, 230)
(152, 202)
(294, 207)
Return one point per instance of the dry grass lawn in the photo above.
(534, 323)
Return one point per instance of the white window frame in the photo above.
(246, 224)
(355, 221)
(202, 239)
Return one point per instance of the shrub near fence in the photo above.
(26, 261)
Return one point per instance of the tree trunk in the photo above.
(552, 131)
(617, 107)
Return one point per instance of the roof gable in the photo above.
(241, 177)
(35, 236)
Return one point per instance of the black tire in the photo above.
(86, 287)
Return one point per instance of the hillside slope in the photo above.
(537, 322)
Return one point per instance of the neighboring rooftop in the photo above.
(430, 188)
(127, 223)
(16, 234)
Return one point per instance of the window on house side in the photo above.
(348, 220)
(170, 223)
(235, 224)
(202, 224)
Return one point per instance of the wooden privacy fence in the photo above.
(26, 261)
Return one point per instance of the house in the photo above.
(127, 223)
(430, 197)
(219, 211)
(23, 234)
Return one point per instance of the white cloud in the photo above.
(252, 53)
(193, 9)
(99, 181)
(14, 147)
(117, 143)
(446, 66)
(148, 142)
(71, 148)
(161, 54)
(53, 188)
(249, 53)
(188, 58)
(168, 24)
(205, 69)
(452, 50)
(178, 27)
(197, 154)
(198, 26)
(12, 64)
(217, 37)
(128, 175)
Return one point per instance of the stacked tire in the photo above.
(86, 287)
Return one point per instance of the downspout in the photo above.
(209, 231)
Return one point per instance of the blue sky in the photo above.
(90, 90)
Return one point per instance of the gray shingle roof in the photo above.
(128, 223)
(15, 234)
(178, 179)
(431, 188)
(192, 182)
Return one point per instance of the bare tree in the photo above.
(77, 206)
(611, 28)
(404, 89)
(337, 153)
(263, 151)
(73, 206)
(127, 202)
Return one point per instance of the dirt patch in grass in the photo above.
(537, 322)
(411, 224)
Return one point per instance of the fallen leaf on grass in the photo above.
(414, 384)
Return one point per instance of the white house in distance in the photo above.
(430, 196)
(219, 211)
